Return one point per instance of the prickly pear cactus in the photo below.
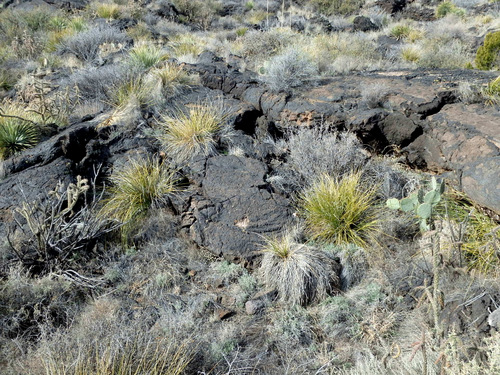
(421, 202)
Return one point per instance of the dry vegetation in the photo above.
(76, 299)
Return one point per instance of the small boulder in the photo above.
(364, 24)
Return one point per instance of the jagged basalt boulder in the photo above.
(236, 208)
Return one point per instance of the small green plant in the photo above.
(487, 54)
(340, 211)
(241, 31)
(300, 273)
(146, 56)
(187, 134)
(400, 31)
(249, 5)
(447, 7)
(410, 54)
(136, 187)
(423, 203)
(491, 93)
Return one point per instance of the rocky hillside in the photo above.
(250, 187)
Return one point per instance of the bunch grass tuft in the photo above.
(340, 211)
(190, 133)
(300, 273)
(136, 187)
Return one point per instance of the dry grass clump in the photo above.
(173, 79)
(104, 342)
(340, 210)
(187, 46)
(136, 187)
(300, 273)
(193, 132)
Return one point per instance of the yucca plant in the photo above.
(300, 273)
(135, 188)
(18, 131)
(184, 135)
(146, 56)
(340, 211)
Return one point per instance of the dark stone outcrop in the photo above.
(364, 24)
(235, 209)
(392, 6)
(422, 116)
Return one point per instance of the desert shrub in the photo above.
(58, 228)
(331, 7)
(8, 79)
(188, 133)
(468, 93)
(85, 44)
(173, 79)
(289, 70)
(343, 52)
(136, 187)
(18, 130)
(95, 83)
(448, 55)
(146, 56)
(263, 44)
(467, 3)
(447, 30)
(337, 316)
(487, 54)
(28, 303)
(340, 210)
(375, 95)
(300, 273)
(317, 150)
(255, 17)
(200, 13)
(446, 8)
